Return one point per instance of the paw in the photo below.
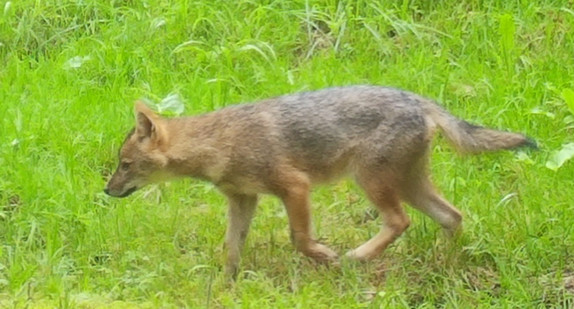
(352, 255)
(231, 271)
(360, 254)
(320, 253)
(453, 233)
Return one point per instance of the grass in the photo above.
(70, 72)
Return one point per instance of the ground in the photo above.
(70, 72)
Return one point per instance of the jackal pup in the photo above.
(282, 146)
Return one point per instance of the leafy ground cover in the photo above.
(70, 71)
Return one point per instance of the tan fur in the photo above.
(283, 146)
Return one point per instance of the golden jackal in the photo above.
(282, 146)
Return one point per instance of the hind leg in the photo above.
(419, 192)
(385, 197)
(421, 195)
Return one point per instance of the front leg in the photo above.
(295, 196)
(240, 212)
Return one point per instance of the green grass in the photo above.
(65, 244)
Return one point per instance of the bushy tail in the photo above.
(469, 138)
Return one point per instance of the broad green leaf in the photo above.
(540, 111)
(523, 157)
(171, 105)
(559, 157)
(568, 96)
(76, 62)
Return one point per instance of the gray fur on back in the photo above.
(370, 120)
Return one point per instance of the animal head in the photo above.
(142, 157)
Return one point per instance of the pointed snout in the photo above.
(123, 193)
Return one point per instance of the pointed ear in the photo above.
(144, 120)
(149, 124)
(141, 107)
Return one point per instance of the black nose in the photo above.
(106, 191)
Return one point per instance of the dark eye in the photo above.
(124, 166)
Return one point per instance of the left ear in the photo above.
(149, 124)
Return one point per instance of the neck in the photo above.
(194, 149)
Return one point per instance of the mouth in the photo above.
(128, 192)
(124, 194)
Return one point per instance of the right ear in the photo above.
(148, 124)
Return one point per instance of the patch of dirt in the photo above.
(11, 204)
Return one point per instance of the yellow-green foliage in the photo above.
(70, 71)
